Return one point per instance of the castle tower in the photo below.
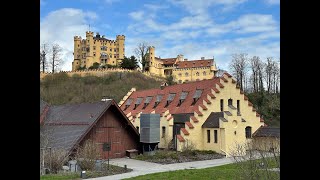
(121, 48)
(76, 53)
(88, 49)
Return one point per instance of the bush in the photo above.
(87, 155)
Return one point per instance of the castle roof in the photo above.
(190, 94)
(194, 63)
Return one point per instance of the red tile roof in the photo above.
(169, 61)
(194, 119)
(195, 63)
(185, 107)
(185, 132)
(180, 138)
(189, 125)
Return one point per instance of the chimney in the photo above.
(186, 59)
(202, 58)
(98, 35)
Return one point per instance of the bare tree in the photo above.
(87, 155)
(271, 72)
(142, 55)
(238, 67)
(254, 68)
(55, 57)
(44, 50)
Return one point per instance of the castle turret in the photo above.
(89, 49)
(121, 48)
(76, 53)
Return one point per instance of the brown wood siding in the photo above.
(112, 127)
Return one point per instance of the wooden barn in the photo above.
(68, 126)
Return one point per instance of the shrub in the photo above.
(87, 155)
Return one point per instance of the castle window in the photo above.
(94, 47)
(158, 100)
(180, 81)
(170, 99)
(138, 102)
(137, 128)
(115, 50)
(230, 102)
(221, 105)
(110, 49)
(112, 62)
(78, 45)
(128, 103)
(183, 96)
(186, 74)
(180, 74)
(94, 54)
(204, 73)
(197, 74)
(215, 136)
(196, 96)
(208, 136)
(114, 56)
(248, 132)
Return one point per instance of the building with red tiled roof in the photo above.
(182, 70)
(210, 114)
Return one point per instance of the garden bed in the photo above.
(169, 157)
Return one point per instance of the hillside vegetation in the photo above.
(60, 89)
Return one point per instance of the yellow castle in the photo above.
(97, 49)
(182, 70)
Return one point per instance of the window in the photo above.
(230, 102)
(183, 96)
(170, 99)
(115, 50)
(78, 45)
(238, 106)
(114, 56)
(248, 132)
(208, 136)
(186, 74)
(112, 62)
(158, 99)
(221, 104)
(94, 48)
(147, 101)
(197, 74)
(137, 128)
(94, 54)
(215, 136)
(110, 49)
(163, 131)
(128, 103)
(180, 74)
(196, 96)
(204, 73)
(180, 81)
(138, 102)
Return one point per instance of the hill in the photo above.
(60, 89)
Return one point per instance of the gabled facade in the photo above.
(182, 70)
(69, 126)
(208, 115)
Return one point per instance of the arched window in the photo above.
(186, 74)
(248, 132)
(204, 73)
(180, 74)
(197, 73)
(229, 102)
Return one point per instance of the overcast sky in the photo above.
(194, 28)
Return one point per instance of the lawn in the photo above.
(67, 176)
(230, 171)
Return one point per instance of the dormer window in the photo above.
(183, 96)
(170, 99)
(196, 96)
(138, 102)
(147, 101)
(128, 103)
(158, 100)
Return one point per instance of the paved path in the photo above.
(143, 167)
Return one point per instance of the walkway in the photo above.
(143, 167)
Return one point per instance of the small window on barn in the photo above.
(196, 96)
(137, 128)
(158, 100)
(208, 136)
(170, 99)
(147, 101)
(248, 132)
(221, 105)
(163, 131)
(215, 136)
(230, 102)
(128, 103)
(183, 96)
(138, 102)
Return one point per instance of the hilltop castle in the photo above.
(182, 70)
(97, 49)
